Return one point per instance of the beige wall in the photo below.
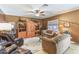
(71, 16)
(73, 19)
(11, 18)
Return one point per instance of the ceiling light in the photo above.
(37, 14)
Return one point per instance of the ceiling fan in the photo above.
(39, 11)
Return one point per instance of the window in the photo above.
(53, 25)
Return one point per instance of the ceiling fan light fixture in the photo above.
(37, 14)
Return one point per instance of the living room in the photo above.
(39, 29)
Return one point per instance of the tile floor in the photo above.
(36, 47)
(74, 49)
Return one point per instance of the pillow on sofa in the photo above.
(57, 38)
(49, 33)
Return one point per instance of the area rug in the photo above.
(32, 44)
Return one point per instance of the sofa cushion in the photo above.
(57, 38)
(49, 33)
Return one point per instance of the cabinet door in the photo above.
(22, 34)
(2, 18)
(30, 29)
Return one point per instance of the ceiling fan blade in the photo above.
(42, 11)
(43, 6)
(41, 14)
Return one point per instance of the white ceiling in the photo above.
(51, 9)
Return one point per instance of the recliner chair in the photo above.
(55, 43)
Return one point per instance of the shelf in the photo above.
(22, 29)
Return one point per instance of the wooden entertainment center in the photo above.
(27, 28)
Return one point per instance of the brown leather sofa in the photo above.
(48, 46)
(49, 40)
